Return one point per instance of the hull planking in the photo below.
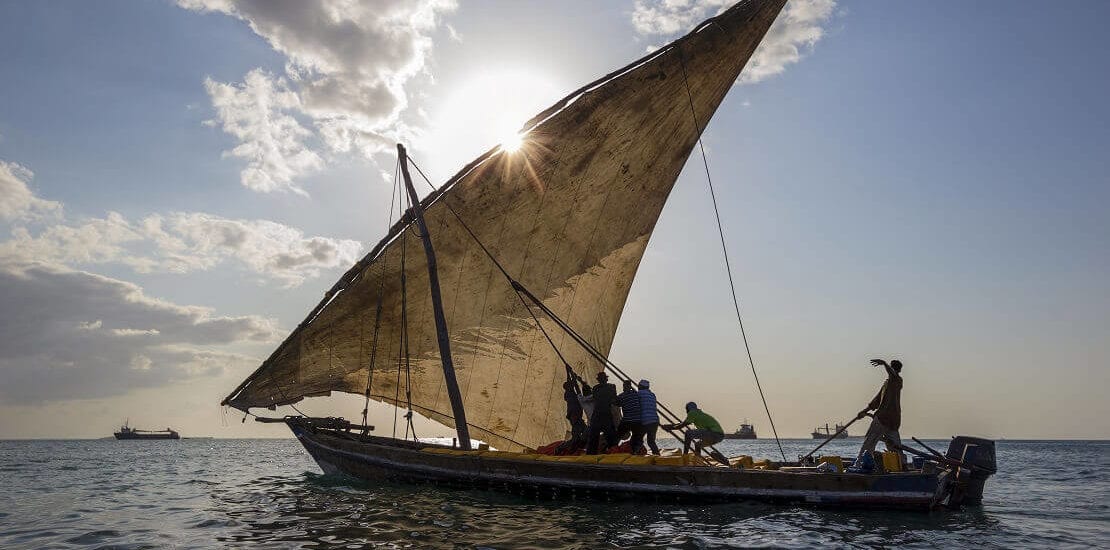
(372, 458)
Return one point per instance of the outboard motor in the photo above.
(978, 454)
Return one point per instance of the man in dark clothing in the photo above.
(649, 418)
(571, 393)
(887, 405)
(630, 416)
(601, 422)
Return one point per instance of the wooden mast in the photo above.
(437, 307)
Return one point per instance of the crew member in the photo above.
(601, 421)
(630, 416)
(707, 430)
(649, 419)
(887, 405)
(571, 394)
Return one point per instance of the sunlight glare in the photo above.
(511, 142)
(485, 109)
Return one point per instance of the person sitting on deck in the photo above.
(630, 416)
(571, 394)
(601, 421)
(707, 430)
(887, 405)
(649, 419)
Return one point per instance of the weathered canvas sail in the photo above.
(568, 216)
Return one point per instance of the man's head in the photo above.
(568, 385)
(627, 385)
(602, 377)
(896, 365)
(691, 406)
(644, 384)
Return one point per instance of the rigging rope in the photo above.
(378, 312)
(400, 343)
(724, 251)
(523, 292)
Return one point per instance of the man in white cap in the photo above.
(649, 418)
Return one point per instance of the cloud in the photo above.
(183, 243)
(258, 114)
(17, 201)
(349, 64)
(80, 335)
(268, 248)
(798, 28)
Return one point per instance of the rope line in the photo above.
(400, 342)
(378, 312)
(523, 292)
(724, 251)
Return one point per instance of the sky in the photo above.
(181, 181)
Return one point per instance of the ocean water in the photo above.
(270, 494)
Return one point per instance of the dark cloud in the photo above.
(70, 334)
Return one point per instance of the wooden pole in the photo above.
(437, 308)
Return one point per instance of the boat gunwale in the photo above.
(551, 478)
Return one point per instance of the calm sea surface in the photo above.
(270, 494)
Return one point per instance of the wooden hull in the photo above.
(372, 458)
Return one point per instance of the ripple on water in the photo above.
(268, 494)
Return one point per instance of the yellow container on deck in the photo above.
(763, 464)
(742, 461)
(834, 460)
(677, 460)
(680, 460)
(581, 459)
(892, 461)
(615, 458)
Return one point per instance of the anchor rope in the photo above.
(724, 251)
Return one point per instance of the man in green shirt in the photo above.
(707, 430)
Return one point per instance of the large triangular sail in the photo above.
(568, 216)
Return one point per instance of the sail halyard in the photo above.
(569, 217)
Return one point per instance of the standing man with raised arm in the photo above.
(887, 405)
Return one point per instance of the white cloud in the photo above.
(17, 201)
(81, 335)
(271, 140)
(348, 67)
(182, 243)
(798, 27)
(267, 248)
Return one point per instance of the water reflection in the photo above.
(332, 511)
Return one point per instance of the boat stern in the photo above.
(978, 455)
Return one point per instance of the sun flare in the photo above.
(512, 143)
(488, 108)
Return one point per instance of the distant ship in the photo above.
(746, 431)
(818, 434)
(127, 432)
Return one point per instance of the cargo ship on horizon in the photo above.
(127, 432)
